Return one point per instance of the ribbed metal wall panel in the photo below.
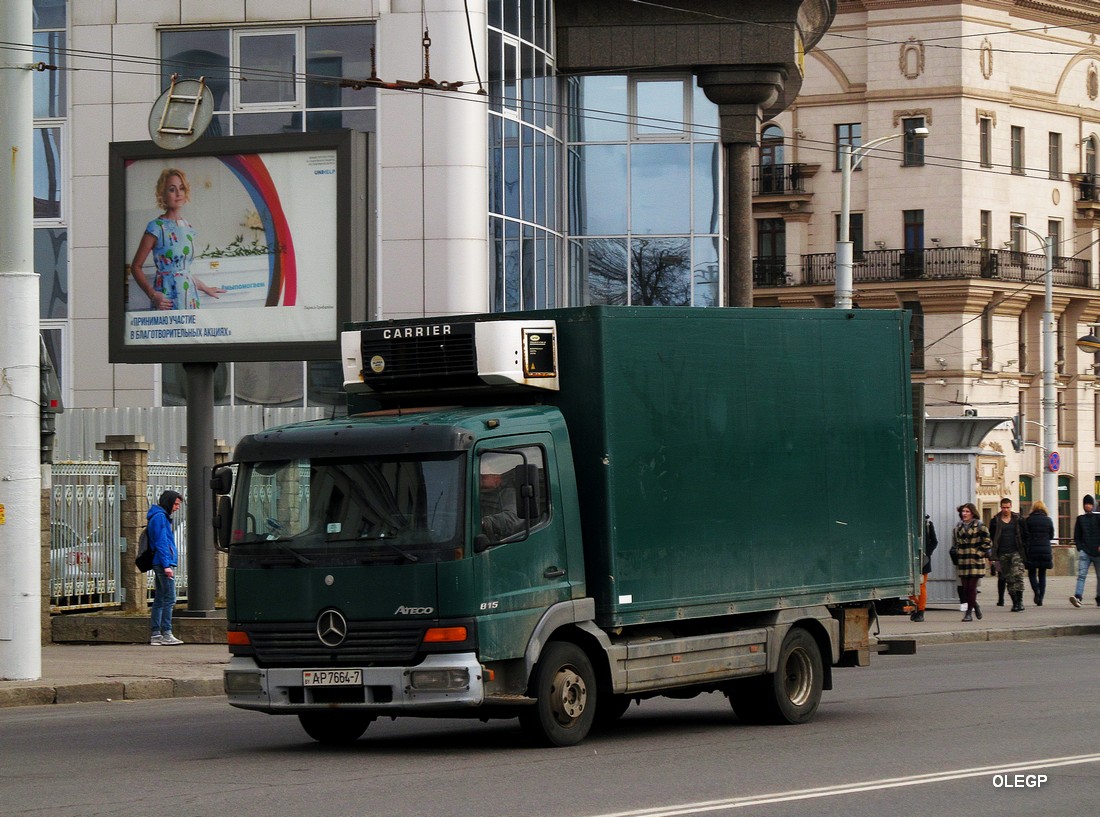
(949, 481)
(79, 430)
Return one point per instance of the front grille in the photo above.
(292, 645)
(405, 362)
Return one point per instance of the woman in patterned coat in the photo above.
(971, 544)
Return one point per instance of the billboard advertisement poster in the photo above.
(232, 249)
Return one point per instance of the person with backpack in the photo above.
(162, 542)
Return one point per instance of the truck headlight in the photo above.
(439, 680)
(242, 683)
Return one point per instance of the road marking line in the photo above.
(851, 788)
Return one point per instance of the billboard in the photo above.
(236, 248)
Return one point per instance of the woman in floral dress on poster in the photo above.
(171, 240)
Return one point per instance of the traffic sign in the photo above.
(1054, 461)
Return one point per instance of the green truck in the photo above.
(549, 515)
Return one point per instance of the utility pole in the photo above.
(20, 474)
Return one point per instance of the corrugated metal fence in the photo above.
(79, 430)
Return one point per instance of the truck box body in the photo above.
(733, 460)
(549, 514)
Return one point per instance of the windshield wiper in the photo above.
(412, 557)
(288, 549)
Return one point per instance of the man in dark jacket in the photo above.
(165, 557)
(1006, 529)
(1086, 535)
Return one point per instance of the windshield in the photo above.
(366, 509)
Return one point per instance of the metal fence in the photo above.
(170, 476)
(942, 263)
(85, 542)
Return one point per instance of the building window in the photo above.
(1016, 235)
(771, 161)
(51, 235)
(661, 107)
(1067, 508)
(985, 141)
(649, 235)
(525, 149)
(848, 134)
(913, 150)
(275, 95)
(987, 259)
(986, 359)
(770, 263)
(1054, 149)
(855, 233)
(1060, 346)
(912, 258)
(1022, 344)
(1054, 232)
(916, 334)
(1017, 150)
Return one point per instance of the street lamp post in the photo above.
(849, 161)
(1049, 402)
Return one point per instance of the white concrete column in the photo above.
(20, 475)
(432, 162)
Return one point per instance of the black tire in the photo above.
(792, 693)
(564, 686)
(334, 728)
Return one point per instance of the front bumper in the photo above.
(439, 683)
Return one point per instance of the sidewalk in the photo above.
(75, 673)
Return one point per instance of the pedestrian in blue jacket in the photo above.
(165, 557)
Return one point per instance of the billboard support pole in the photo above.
(200, 462)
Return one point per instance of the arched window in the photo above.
(771, 160)
(1088, 183)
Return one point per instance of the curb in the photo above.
(138, 689)
(1014, 634)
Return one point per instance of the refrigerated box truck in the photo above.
(549, 515)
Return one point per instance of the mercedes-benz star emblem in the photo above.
(332, 628)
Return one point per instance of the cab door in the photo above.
(520, 559)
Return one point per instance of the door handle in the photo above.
(553, 572)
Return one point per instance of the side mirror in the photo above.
(221, 480)
(223, 523)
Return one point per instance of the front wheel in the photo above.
(564, 687)
(334, 728)
(792, 693)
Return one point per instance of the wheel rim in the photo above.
(798, 677)
(568, 696)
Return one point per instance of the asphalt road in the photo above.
(944, 732)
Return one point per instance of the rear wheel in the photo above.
(564, 687)
(334, 728)
(789, 695)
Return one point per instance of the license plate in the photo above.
(332, 677)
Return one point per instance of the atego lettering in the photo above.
(413, 611)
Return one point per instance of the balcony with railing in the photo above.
(939, 264)
(780, 180)
(770, 272)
